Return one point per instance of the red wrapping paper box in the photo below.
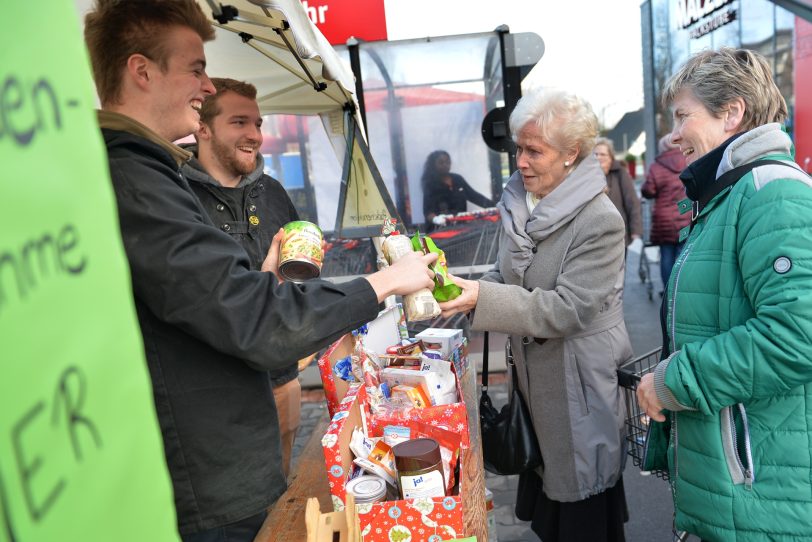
(417, 520)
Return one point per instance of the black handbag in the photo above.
(509, 444)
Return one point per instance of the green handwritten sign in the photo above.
(80, 449)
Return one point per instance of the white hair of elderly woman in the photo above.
(564, 120)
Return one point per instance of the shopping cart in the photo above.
(470, 242)
(644, 267)
(636, 423)
(348, 258)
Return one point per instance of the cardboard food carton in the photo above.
(444, 340)
(419, 520)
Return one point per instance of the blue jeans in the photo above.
(668, 255)
(241, 531)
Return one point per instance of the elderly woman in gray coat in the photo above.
(557, 292)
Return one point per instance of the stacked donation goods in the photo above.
(399, 427)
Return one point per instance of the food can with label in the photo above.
(367, 488)
(301, 255)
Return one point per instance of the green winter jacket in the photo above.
(738, 384)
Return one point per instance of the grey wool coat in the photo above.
(559, 279)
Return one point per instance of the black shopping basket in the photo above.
(637, 421)
(628, 376)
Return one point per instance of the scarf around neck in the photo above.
(523, 230)
(700, 176)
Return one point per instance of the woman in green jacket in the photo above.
(734, 388)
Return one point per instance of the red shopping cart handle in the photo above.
(445, 234)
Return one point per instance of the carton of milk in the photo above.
(444, 340)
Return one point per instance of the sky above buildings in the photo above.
(592, 47)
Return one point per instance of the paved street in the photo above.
(649, 499)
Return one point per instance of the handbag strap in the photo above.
(485, 363)
(509, 364)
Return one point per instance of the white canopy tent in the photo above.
(274, 45)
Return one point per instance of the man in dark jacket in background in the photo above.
(227, 175)
(212, 327)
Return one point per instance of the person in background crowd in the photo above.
(557, 292)
(621, 189)
(446, 193)
(227, 175)
(730, 401)
(212, 326)
(664, 187)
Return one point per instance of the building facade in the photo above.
(673, 30)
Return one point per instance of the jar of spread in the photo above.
(420, 468)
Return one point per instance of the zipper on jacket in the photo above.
(672, 306)
(740, 467)
(675, 441)
(745, 474)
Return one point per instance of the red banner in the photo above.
(340, 20)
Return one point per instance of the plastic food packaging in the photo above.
(395, 434)
(420, 305)
(360, 444)
(444, 287)
(380, 461)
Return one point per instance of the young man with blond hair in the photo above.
(212, 326)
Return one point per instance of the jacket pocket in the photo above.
(576, 385)
(736, 445)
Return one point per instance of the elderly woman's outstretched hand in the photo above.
(466, 301)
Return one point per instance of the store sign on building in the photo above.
(710, 14)
(340, 20)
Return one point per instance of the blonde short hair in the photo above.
(564, 120)
(718, 77)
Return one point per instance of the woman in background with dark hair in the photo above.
(446, 193)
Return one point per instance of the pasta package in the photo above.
(420, 305)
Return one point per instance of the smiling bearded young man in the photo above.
(227, 175)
